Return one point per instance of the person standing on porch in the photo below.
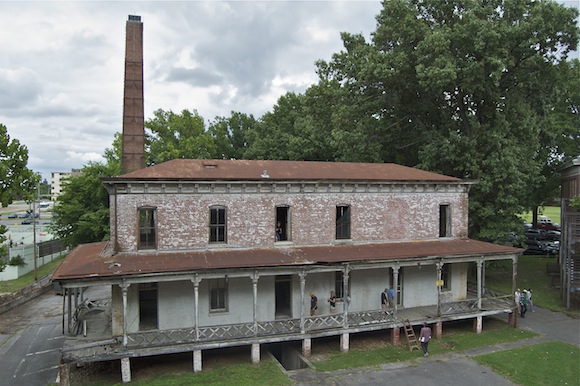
(523, 304)
(385, 299)
(529, 292)
(391, 295)
(424, 338)
(518, 298)
(332, 301)
(313, 304)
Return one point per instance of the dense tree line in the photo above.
(480, 90)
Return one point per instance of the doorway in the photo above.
(283, 290)
(148, 306)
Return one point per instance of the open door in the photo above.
(283, 290)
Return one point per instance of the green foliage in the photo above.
(173, 136)
(17, 261)
(82, 210)
(550, 363)
(16, 180)
(575, 203)
(230, 135)
(466, 89)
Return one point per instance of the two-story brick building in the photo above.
(194, 260)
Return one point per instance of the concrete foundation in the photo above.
(126, 370)
(307, 347)
(197, 361)
(344, 342)
(256, 353)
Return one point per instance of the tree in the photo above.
(16, 180)
(464, 88)
(230, 134)
(82, 210)
(173, 136)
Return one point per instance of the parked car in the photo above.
(537, 247)
(12, 215)
(22, 215)
(552, 235)
(535, 233)
(28, 221)
(548, 225)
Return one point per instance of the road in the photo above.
(30, 342)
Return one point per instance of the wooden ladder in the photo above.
(411, 338)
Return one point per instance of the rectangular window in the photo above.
(342, 222)
(339, 285)
(147, 228)
(217, 225)
(446, 277)
(218, 289)
(444, 220)
(283, 223)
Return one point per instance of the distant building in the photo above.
(570, 239)
(57, 182)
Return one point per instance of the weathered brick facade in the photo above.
(379, 213)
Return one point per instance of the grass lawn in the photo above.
(531, 274)
(28, 279)
(457, 336)
(550, 363)
(552, 212)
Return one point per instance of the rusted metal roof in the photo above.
(199, 169)
(91, 261)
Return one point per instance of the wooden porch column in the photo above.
(196, 361)
(126, 370)
(124, 289)
(439, 268)
(396, 289)
(255, 314)
(514, 314)
(345, 297)
(69, 297)
(479, 283)
(302, 276)
(195, 282)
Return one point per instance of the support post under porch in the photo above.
(196, 361)
(306, 347)
(255, 353)
(438, 330)
(478, 324)
(344, 342)
(126, 370)
(395, 336)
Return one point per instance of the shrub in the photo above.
(17, 261)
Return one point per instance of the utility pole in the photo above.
(34, 232)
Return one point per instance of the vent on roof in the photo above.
(265, 174)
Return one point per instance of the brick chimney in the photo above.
(133, 145)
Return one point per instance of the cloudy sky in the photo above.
(62, 63)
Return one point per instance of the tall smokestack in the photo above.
(133, 145)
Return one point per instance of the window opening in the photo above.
(147, 228)
(217, 225)
(444, 220)
(218, 294)
(446, 277)
(282, 231)
(342, 222)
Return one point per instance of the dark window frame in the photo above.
(147, 228)
(444, 220)
(343, 222)
(218, 295)
(218, 229)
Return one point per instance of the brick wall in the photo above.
(182, 219)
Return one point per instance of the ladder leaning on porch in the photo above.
(410, 334)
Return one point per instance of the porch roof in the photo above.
(93, 261)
